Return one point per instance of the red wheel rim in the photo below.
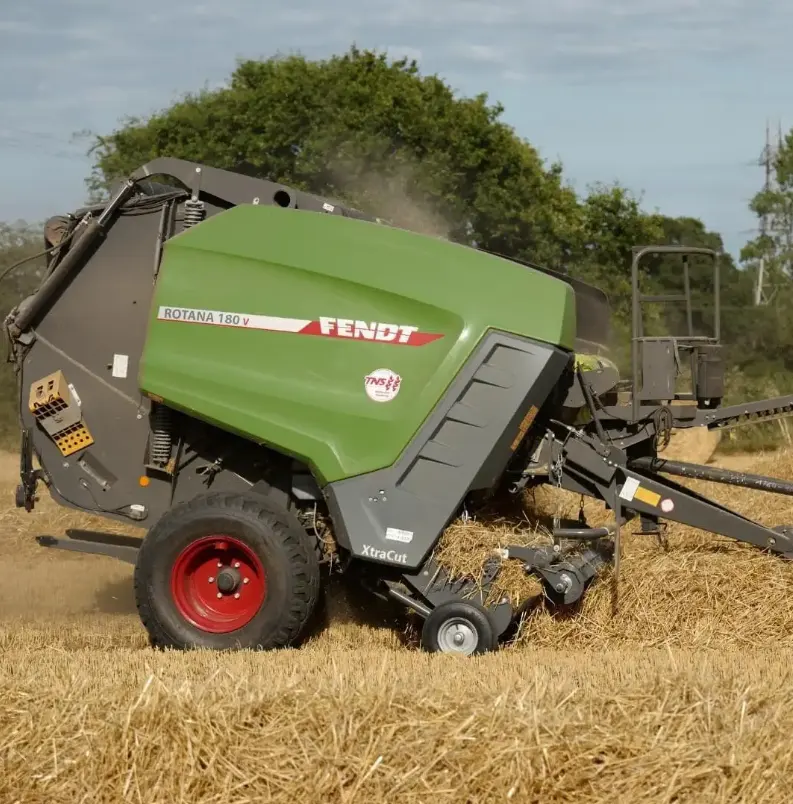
(218, 584)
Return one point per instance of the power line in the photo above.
(36, 146)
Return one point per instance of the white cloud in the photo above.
(529, 32)
(478, 13)
(182, 46)
(16, 27)
(302, 16)
(485, 54)
(86, 63)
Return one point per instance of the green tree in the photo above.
(767, 328)
(610, 222)
(374, 133)
(19, 241)
(668, 273)
(775, 204)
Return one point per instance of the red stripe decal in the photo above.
(325, 327)
(312, 328)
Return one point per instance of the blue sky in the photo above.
(670, 97)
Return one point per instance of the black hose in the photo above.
(32, 257)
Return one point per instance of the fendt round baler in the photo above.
(221, 360)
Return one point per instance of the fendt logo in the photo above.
(384, 555)
(373, 331)
(324, 326)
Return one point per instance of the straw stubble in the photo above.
(684, 695)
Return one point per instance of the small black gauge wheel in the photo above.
(458, 627)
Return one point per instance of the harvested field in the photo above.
(695, 445)
(684, 696)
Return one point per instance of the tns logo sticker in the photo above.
(382, 385)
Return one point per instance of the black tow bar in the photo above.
(124, 548)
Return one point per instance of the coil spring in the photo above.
(161, 437)
(194, 212)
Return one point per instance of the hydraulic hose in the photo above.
(91, 232)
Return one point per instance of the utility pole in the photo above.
(786, 224)
(761, 297)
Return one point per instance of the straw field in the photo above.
(684, 695)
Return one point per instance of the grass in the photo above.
(685, 695)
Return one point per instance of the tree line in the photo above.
(381, 136)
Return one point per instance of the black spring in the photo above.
(161, 436)
(194, 212)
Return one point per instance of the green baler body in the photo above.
(265, 322)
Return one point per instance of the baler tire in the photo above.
(474, 617)
(270, 497)
(277, 544)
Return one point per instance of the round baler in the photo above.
(226, 362)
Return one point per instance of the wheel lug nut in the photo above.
(246, 580)
(220, 563)
(237, 595)
(211, 579)
(236, 565)
(219, 594)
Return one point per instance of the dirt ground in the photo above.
(684, 695)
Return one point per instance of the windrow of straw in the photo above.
(686, 587)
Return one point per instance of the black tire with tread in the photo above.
(475, 614)
(276, 536)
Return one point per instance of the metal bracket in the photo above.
(565, 577)
(432, 583)
(124, 548)
(236, 188)
(29, 477)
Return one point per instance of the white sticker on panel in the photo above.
(397, 535)
(629, 489)
(120, 366)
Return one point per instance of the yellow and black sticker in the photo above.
(647, 496)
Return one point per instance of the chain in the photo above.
(556, 468)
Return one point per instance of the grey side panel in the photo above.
(102, 312)
(659, 370)
(396, 515)
(99, 314)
